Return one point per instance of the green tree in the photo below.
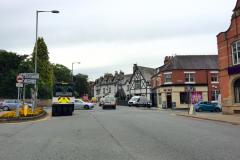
(11, 65)
(81, 84)
(44, 68)
(61, 73)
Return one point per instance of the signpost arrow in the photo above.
(30, 75)
(29, 81)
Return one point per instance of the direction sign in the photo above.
(19, 79)
(29, 81)
(30, 75)
(19, 85)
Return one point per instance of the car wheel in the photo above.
(5, 108)
(86, 107)
(200, 110)
(217, 110)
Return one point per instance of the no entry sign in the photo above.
(20, 79)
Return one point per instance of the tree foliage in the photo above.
(81, 84)
(44, 68)
(11, 65)
(61, 73)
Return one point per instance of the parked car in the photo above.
(11, 104)
(101, 101)
(207, 106)
(80, 104)
(109, 102)
(218, 104)
(139, 101)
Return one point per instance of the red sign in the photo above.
(20, 79)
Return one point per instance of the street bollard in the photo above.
(192, 110)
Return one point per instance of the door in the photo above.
(169, 100)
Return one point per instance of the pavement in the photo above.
(121, 134)
(219, 117)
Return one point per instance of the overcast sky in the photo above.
(109, 35)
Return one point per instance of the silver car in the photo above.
(80, 104)
(11, 104)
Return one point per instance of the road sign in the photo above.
(29, 81)
(19, 85)
(19, 79)
(30, 75)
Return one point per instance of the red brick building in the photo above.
(172, 80)
(229, 63)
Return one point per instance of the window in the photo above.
(137, 84)
(237, 91)
(189, 78)
(214, 77)
(109, 89)
(236, 53)
(184, 98)
(168, 78)
(98, 92)
(103, 90)
(215, 94)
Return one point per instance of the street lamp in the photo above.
(72, 68)
(36, 48)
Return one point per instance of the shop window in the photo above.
(184, 98)
(236, 53)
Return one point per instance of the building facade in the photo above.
(229, 64)
(116, 85)
(183, 80)
(140, 81)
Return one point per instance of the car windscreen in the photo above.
(109, 99)
(63, 90)
(134, 98)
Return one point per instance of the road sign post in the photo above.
(31, 78)
(17, 110)
(19, 85)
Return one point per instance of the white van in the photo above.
(139, 101)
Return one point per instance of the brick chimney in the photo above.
(236, 10)
(168, 59)
(134, 67)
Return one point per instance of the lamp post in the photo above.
(72, 68)
(36, 49)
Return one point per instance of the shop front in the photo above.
(180, 97)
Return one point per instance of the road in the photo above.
(122, 134)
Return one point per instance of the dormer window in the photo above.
(236, 53)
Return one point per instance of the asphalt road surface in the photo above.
(122, 134)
